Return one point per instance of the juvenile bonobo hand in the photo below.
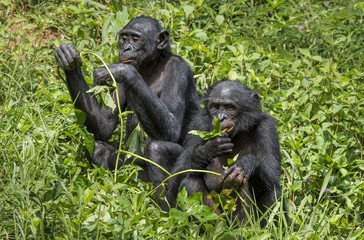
(214, 147)
(68, 57)
(120, 71)
(234, 177)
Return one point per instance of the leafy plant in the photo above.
(206, 135)
(305, 58)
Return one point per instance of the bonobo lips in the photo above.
(124, 59)
(227, 126)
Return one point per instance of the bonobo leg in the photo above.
(104, 155)
(164, 154)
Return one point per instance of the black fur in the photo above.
(251, 134)
(157, 85)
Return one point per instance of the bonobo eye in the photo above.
(230, 107)
(122, 38)
(213, 107)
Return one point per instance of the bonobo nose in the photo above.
(128, 47)
(221, 116)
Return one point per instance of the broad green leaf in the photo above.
(88, 194)
(305, 52)
(230, 161)
(317, 58)
(201, 35)
(205, 135)
(81, 116)
(219, 19)
(188, 9)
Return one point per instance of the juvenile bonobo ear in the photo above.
(256, 100)
(163, 37)
(255, 96)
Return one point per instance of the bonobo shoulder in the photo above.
(269, 120)
(177, 62)
(268, 128)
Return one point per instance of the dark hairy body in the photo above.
(249, 134)
(157, 85)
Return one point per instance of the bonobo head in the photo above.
(141, 41)
(235, 105)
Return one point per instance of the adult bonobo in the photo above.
(249, 134)
(157, 85)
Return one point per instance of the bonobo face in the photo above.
(236, 106)
(222, 106)
(138, 42)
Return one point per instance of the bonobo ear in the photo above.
(255, 96)
(163, 37)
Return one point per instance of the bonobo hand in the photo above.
(102, 76)
(120, 71)
(218, 146)
(234, 177)
(68, 57)
(214, 147)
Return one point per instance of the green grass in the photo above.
(304, 57)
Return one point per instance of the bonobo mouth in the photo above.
(126, 61)
(227, 126)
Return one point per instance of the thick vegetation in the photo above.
(304, 57)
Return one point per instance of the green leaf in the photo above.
(201, 35)
(205, 135)
(88, 195)
(324, 184)
(81, 116)
(188, 9)
(317, 58)
(219, 19)
(102, 93)
(305, 52)
(230, 161)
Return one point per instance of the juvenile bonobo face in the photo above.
(236, 106)
(138, 42)
(222, 106)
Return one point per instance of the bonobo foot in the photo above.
(104, 155)
(68, 57)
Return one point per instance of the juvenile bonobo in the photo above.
(248, 133)
(157, 85)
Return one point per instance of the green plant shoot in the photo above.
(206, 135)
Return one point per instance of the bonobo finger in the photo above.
(74, 54)
(61, 59)
(234, 177)
(224, 135)
(232, 172)
(67, 56)
(101, 76)
(223, 140)
(226, 147)
(71, 55)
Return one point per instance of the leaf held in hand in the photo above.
(205, 135)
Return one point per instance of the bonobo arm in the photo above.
(269, 169)
(160, 116)
(263, 163)
(99, 121)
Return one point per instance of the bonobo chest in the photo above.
(242, 145)
(157, 75)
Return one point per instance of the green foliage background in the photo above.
(304, 57)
